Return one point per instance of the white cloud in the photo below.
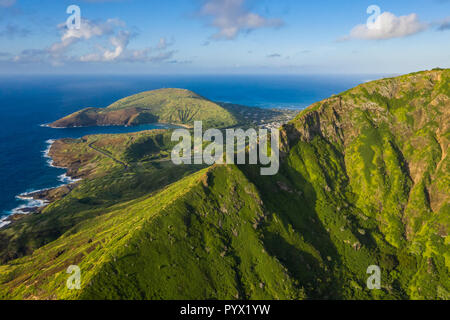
(231, 17)
(388, 26)
(114, 49)
(119, 51)
(87, 31)
(119, 43)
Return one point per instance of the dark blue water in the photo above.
(26, 102)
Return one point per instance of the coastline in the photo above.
(174, 125)
(37, 200)
(46, 154)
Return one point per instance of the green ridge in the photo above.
(364, 180)
(175, 106)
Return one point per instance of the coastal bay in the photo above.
(24, 139)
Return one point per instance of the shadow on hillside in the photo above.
(302, 224)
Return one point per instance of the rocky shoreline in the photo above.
(44, 197)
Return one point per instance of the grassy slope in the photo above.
(377, 156)
(106, 183)
(364, 181)
(176, 106)
(193, 240)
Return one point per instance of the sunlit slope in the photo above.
(106, 182)
(175, 106)
(364, 180)
(197, 239)
(375, 157)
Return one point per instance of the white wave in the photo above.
(27, 197)
(46, 154)
(22, 209)
(30, 203)
(47, 150)
(64, 178)
(4, 222)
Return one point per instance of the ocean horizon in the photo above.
(29, 102)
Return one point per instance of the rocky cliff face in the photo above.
(411, 114)
(386, 144)
(97, 117)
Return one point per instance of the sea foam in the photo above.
(30, 202)
(65, 179)
(46, 154)
(4, 222)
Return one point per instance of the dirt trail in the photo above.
(107, 155)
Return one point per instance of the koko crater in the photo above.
(364, 180)
(177, 106)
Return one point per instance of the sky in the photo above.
(224, 36)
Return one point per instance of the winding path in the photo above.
(125, 166)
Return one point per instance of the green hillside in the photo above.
(193, 240)
(105, 183)
(364, 180)
(374, 161)
(175, 106)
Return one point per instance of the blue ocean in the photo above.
(27, 102)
